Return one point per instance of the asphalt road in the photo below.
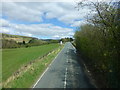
(65, 72)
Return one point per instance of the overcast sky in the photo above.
(41, 19)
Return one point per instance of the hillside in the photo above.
(17, 41)
(17, 38)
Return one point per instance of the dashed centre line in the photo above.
(65, 82)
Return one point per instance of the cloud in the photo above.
(4, 23)
(37, 30)
(79, 23)
(66, 12)
(5, 30)
(21, 13)
(33, 12)
(52, 0)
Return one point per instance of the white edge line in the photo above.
(74, 48)
(87, 70)
(46, 69)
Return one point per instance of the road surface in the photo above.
(64, 72)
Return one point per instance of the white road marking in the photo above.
(67, 51)
(75, 51)
(67, 60)
(73, 47)
(86, 68)
(65, 82)
(46, 69)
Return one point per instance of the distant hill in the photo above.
(17, 41)
(17, 38)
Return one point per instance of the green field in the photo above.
(28, 79)
(13, 59)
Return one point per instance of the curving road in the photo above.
(64, 72)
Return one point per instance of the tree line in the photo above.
(99, 42)
(13, 44)
(33, 42)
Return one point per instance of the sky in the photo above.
(43, 20)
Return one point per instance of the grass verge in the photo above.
(28, 77)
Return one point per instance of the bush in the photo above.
(100, 42)
(36, 42)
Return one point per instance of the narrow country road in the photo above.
(64, 72)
